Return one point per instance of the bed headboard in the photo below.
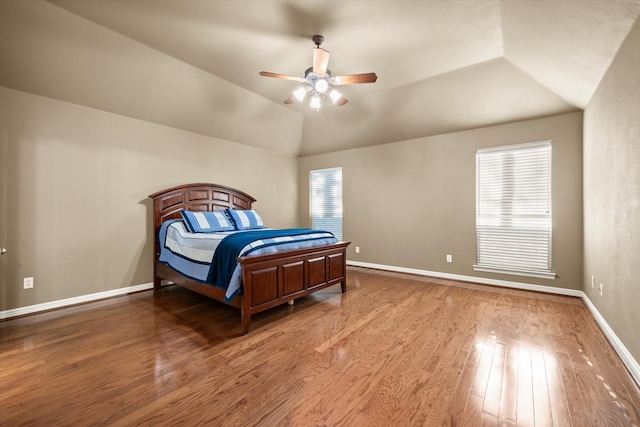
(168, 203)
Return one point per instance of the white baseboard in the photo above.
(624, 354)
(629, 361)
(21, 311)
(474, 279)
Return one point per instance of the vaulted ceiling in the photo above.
(442, 66)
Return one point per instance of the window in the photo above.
(513, 210)
(326, 200)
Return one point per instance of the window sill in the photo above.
(537, 274)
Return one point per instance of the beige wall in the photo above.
(408, 204)
(612, 194)
(74, 181)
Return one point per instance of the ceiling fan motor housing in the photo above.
(317, 39)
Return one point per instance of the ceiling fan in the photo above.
(319, 81)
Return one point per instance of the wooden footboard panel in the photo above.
(274, 279)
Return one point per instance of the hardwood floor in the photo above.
(395, 350)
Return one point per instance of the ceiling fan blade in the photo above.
(341, 101)
(282, 76)
(353, 79)
(290, 99)
(320, 61)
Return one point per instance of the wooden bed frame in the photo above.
(267, 280)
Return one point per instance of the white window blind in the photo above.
(513, 209)
(326, 200)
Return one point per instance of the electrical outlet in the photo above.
(357, 249)
(449, 258)
(28, 283)
(593, 281)
(601, 288)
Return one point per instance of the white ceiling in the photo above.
(442, 66)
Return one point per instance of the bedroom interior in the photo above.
(103, 103)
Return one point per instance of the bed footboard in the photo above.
(274, 279)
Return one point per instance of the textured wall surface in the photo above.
(612, 194)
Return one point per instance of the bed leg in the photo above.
(156, 283)
(343, 285)
(245, 321)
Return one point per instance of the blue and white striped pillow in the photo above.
(207, 222)
(245, 220)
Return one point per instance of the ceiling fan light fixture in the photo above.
(315, 101)
(300, 93)
(335, 95)
(321, 86)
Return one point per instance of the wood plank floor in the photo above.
(395, 350)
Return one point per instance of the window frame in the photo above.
(515, 207)
(312, 216)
